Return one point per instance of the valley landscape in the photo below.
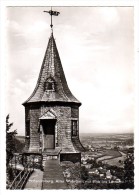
(107, 163)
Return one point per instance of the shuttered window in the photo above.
(74, 127)
(49, 85)
(28, 128)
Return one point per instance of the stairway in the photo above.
(53, 175)
(50, 154)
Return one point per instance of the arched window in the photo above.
(50, 84)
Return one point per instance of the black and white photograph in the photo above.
(70, 98)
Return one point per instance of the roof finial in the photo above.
(52, 13)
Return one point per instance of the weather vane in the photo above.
(52, 13)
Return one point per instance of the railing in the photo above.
(22, 166)
(25, 177)
(21, 179)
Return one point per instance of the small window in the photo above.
(74, 127)
(49, 84)
(27, 128)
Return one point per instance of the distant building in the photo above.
(88, 166)
(93, 171)
(102, 170)
(108, 174)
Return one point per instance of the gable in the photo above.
(48, 115)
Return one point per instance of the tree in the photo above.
(129, 171)
(10, 140)
(84, 173)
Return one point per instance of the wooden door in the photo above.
(49, 142)
(49, 133)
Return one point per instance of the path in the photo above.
(53, 176)
(35, 181)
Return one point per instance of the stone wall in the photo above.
(74, 112)
(72, 157)
(32, 113)
(63, 126)
(64, 115)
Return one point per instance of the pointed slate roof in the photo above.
(51, 85)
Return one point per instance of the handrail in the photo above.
(20, 180)
(15, 179)
(23, 178)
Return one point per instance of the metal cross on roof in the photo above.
(52, 13)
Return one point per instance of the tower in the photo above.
(52, 112)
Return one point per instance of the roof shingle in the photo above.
(52, 68)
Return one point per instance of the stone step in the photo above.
(34, 139)
(34, 143)
(50, 154)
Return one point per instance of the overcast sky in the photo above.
(95, 45)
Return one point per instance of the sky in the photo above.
(96, 47)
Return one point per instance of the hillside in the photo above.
(19, 143)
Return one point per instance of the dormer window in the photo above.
(50, 84)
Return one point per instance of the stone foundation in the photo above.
(72, 157)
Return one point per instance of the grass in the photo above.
(114, 153)
(115, 161)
